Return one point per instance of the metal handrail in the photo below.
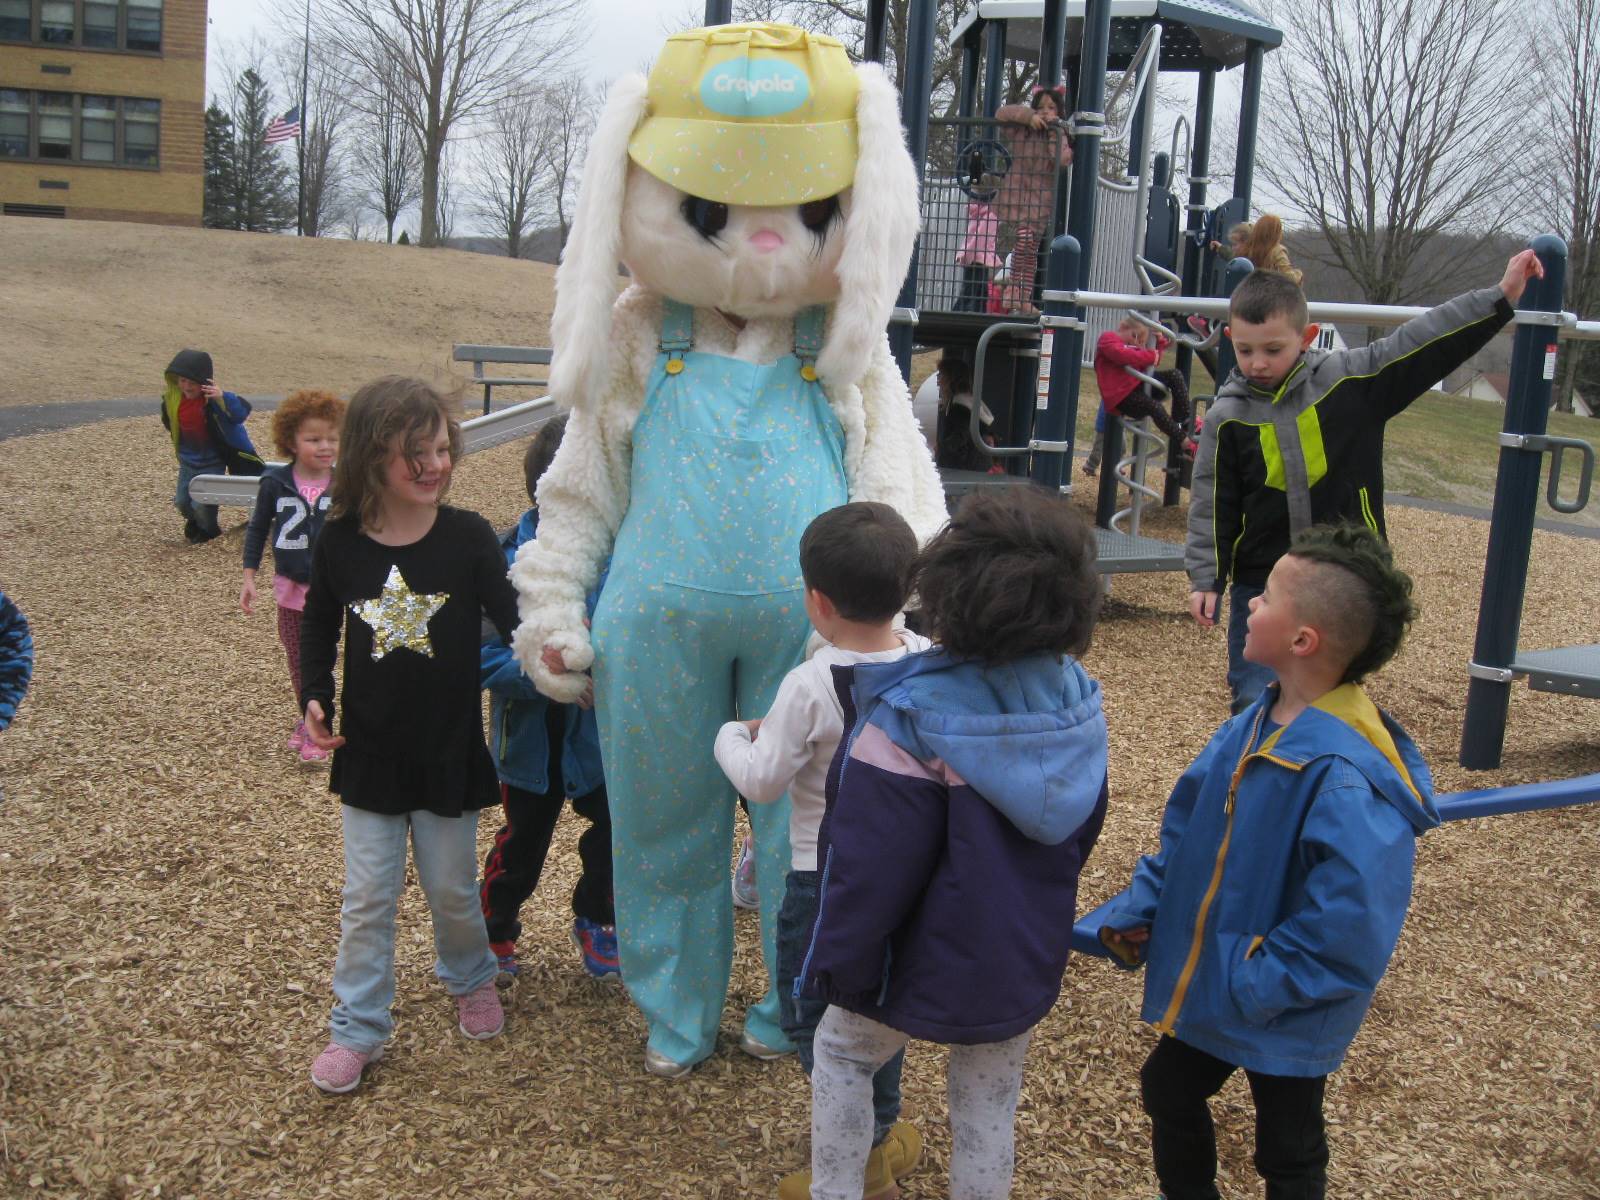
(978, 361)
(1567, 325)
(480, 433)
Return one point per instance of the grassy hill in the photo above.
(95, 310)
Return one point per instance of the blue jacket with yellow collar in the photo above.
(1281, 884)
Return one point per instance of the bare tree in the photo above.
(324, 125)
(445, 213)
(569, 110)
(847, 21)
(509, 157)
(458, 57)
(387, 162)
(1568, 62)
(1385, 124)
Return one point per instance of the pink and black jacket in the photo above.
(962, 804)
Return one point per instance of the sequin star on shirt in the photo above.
(399, 616)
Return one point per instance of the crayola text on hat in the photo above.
(761, 114)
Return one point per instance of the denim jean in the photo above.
(1246, 680)
(203, 515)
(374, 874)
(800, 1015)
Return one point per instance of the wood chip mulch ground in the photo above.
(169, 896)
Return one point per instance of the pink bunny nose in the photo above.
(766, 239)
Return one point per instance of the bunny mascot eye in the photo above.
(758, 190)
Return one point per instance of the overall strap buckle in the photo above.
(677, 333)
(808, 323)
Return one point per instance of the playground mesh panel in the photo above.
(988, 185)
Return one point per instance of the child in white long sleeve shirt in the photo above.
(856, 562)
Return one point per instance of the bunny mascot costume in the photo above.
(758, 189)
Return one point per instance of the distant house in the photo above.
(1495, 386)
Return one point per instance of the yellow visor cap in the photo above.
(760, 114)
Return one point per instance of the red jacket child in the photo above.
(1117, 349)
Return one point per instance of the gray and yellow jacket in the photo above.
(1273, 463)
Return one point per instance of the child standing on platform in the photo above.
(1269, 914)
(1035, 137)
(856, 561)
(405, 581)
(544, 752)
(290, 504)
(969, 790)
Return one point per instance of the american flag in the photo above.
(283, 129)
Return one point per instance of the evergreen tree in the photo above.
(221, 170)
(263, 194)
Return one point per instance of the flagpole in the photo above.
(305, 126)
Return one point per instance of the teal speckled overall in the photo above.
(701, 617)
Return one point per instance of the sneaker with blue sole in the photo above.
(598, 945)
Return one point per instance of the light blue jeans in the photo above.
(1246, 680)
(374, 875)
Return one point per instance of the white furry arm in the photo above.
(580, 507)
(895, 465)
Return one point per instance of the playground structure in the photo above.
(1012, 357)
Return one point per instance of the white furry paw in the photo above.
(577, 655)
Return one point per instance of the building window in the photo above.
(16, 20)
(144, 25)
(55, 125)
(15, 107)
(97, 129)
(141, 132)
(62, 127)
(96, 24)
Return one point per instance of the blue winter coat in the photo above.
(1281, 884)
(224, 423)
(961, 807)
(16, 659)
(517, 712)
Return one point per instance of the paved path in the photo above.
(23, 419)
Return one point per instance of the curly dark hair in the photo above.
(1013, 574)
(860, 557)
(304, 405)
(392, 412)
(1361, 602)
(541, 453)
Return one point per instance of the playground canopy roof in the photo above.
(1195, 33)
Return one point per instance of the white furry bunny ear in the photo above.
(586, 280)
(880, 229)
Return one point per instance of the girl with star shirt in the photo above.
(406, 581)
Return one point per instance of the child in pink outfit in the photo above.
(1032, 134)
(977, 257)
(290, 506)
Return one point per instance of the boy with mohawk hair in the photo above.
(1270, 912)
(1295, 435)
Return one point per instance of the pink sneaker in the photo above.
(338, 1068)
(480, 1013)
(298, 737)
(312, 755)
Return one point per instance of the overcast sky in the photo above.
(623, 35)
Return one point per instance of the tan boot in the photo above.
(902, 1149)
(878, 1185)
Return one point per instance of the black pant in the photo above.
(1140, 404)
(512, 870)
(1291, 1146)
